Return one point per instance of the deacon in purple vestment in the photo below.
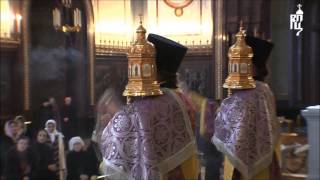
(152, 138)
(246, 127)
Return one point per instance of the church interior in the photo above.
(58, 58)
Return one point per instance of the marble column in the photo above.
(312, 116)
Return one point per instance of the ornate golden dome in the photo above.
(240, 48)
(141, 46)
(142, 69)
(240, 64)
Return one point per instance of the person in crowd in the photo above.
(20, 161)
(19, 127)
(77, 160)
(7, 141)
(9, 133)
(45, 167)
(68, 118)
(57, 144)
(44, 113)
(94, 157)
(13, 130)
(55, 112)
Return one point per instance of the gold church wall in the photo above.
(115, 27)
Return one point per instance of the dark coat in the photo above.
(16, 163)
(6, 143)
(93, 154)
(77, 164)
(44, 158)
(42, 116)
(68, 128)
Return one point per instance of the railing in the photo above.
(122, 47)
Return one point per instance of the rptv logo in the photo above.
(296, 20)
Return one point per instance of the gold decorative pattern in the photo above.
(90, 43)
(220, 47)
(9, 43)
(240, 64)
(142, 69)
(26, 46)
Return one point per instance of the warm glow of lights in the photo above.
(18, 17)
(116, 24)
(6, 19)
(191, 28)
(112, 24)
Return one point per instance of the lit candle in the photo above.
(75, 17)
(12, 24)
(18, 21)
(58, 18)
(79, 19)
(77, 14)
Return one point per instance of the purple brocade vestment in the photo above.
(246, 129)
(148, 138)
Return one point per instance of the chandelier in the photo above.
(65, 18)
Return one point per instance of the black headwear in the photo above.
(261, 50)
(169, 54)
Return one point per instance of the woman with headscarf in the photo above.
(19, 127)
(19, 161)
(45, 166)
(13, 130)
(77, 160)
(56, 141)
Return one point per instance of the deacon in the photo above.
(246, 127)
(152, 136)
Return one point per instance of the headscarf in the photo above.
(55, 132)
(75, 140)
(22, 120)
(7, 129)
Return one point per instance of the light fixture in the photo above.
(10, 24)
(66, 18)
